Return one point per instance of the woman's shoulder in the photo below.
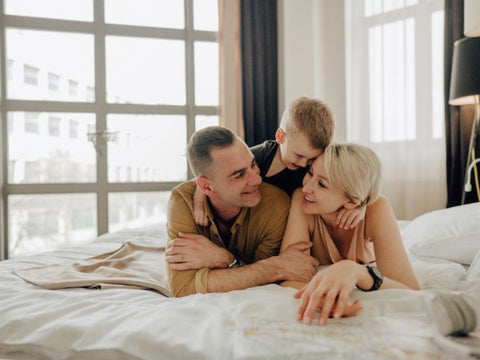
(379, 206)
(379, 214)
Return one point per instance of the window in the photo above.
(53, 82)
(82, 218)
(73, 130)
(72, 88)
(402, 44)
(394, 59)
(9, 69)
(90, 94)
(30, 75)
(54, 126)
(139, 79)
(32, 123)
(10, 122)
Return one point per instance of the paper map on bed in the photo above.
(383, 337)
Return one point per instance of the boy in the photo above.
(306, 128)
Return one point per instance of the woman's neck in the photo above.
(330, 219)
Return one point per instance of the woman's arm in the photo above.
(297, 234)
(390, 254)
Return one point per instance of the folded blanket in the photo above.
(131, 266)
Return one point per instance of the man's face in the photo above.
(234, 176)
(295, 150)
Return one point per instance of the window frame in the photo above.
(423, 76)
(99, 29)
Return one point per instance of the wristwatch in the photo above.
(377, 278)
(234, 263)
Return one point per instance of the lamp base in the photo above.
(471, 150)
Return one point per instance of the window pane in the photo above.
(155, 13)
(48, 59)
(202, 121)
(147, 148)
(55, 9)
(389, 5)
(136, 209)
(392, 81)
(43, 150)
(47, 222)
(145, 71)
(206, 73)
(437, 75)
(205, 15)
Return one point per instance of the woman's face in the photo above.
(320, 196)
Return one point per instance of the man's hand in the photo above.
(193, 252)
(296, 265)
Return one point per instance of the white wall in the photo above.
(312, 55)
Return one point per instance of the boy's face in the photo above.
(295, 150)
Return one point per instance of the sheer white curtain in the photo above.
(395, 96)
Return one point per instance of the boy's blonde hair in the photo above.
(356, 170)
(310, 117)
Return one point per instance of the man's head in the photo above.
(306, 128)
(225, 168)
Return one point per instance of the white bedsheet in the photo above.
(249, 324)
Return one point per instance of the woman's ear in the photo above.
(350, 205)
(280, 136)
(204, 185)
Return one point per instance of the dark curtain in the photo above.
(458, 120)
(259, 69)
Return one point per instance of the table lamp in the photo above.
(465, 90)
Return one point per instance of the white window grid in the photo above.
(98, 105)
(422, 93)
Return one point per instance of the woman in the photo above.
(346, 176)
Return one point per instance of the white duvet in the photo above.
(257, 323)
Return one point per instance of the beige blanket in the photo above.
(131, 266)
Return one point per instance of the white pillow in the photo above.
(451, 234)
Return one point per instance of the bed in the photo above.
(257, 323)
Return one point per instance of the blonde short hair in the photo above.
(356, 170)
(310, 117)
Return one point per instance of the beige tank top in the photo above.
(327, 252)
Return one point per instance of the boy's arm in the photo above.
(349, 218)
(199, 199)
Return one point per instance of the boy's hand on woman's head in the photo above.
(349, 218)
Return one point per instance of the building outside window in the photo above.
(72, 88)
(30, 75)
(53, 82)
(54, 126)
(32, 123)
(73, 130)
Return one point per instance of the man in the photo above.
(238, 248)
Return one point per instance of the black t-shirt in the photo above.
(287, 180)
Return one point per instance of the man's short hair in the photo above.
(310, 117)
(201, 144)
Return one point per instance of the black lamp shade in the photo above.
(465, 81)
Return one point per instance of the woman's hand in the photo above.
(329, 291)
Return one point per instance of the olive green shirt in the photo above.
(255, 235)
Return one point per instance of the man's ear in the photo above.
(280, 136)
(204, 185)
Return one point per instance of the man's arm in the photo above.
(180, 219)
(292, 265)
